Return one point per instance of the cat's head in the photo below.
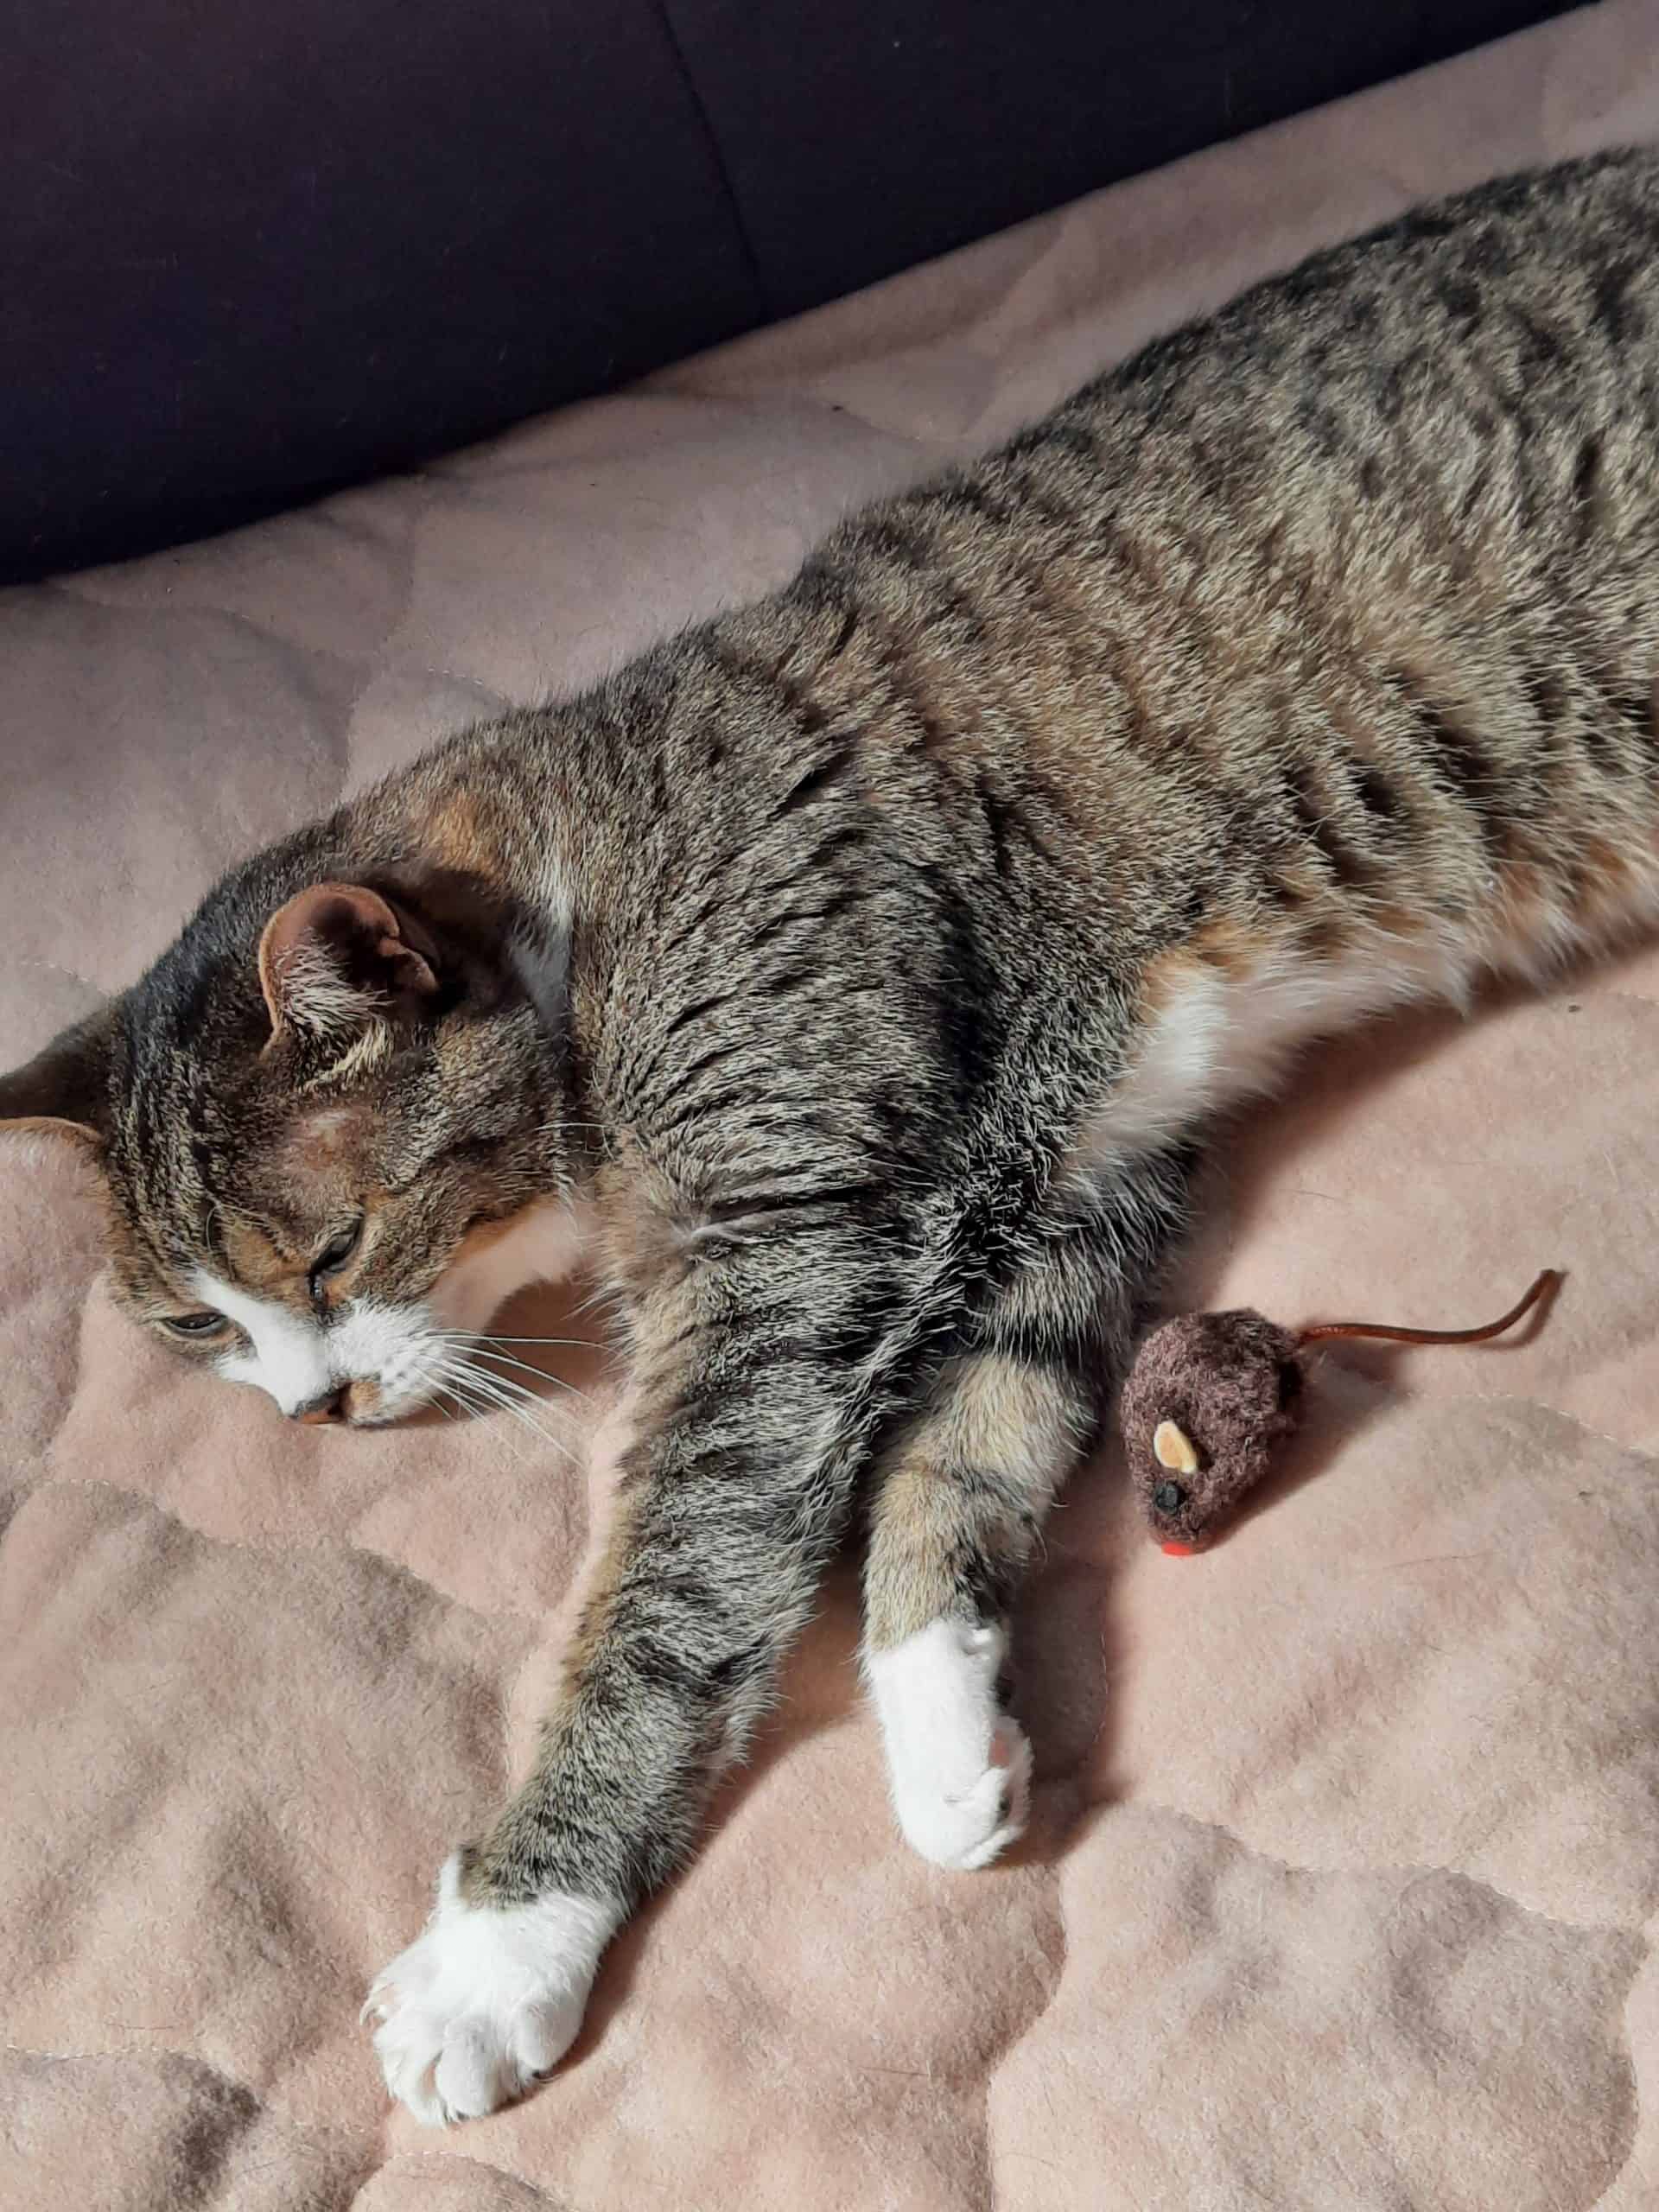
(329, 1126)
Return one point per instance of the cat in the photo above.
(850, 981)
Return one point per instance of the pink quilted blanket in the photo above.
(1345, 1862)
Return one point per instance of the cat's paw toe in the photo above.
(485, 2000)
(960, 1768)
(447, 2063)
(965, 1823)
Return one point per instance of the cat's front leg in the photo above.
(731, 1501)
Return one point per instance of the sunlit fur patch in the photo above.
(545, 1242)
(321, 1142)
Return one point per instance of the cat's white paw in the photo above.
(960, 1770)
(965, 1822)
(485, 2000)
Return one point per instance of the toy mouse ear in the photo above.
(1172, 1448)
(65, 1090)
(338, 958)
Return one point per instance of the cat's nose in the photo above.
(331, 1406)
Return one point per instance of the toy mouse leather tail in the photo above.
(1546, 1286)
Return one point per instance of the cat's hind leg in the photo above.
(954, 1521)
(959, 1503)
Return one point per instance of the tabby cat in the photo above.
(849, 982)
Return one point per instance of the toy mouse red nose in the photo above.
(1182, 1551)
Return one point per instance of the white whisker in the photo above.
(502, 1393)
(482, 1337)
(602, 1294)
(477, 1410)
(484, 1351)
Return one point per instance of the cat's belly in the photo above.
(1223, 1015)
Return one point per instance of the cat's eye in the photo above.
(337, 1252)
(193, 1324)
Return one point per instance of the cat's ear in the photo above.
(338, 958)
(64, 1091)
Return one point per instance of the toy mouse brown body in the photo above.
(1211, 1395)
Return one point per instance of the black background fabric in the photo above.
(253, 251)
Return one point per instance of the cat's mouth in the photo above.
(437, 1377)
(362, 1403)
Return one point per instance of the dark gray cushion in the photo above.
(253, 251)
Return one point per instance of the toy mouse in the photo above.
(1211, 1395)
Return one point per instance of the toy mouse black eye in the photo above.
(1169, 1497)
